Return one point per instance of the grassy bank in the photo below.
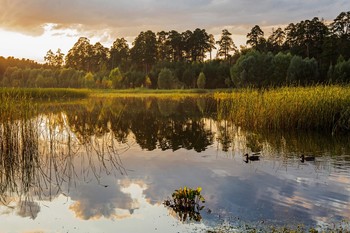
(67, 93)
(141, 92)
(319, 107)
(43, 93)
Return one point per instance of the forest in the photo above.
(305, 53)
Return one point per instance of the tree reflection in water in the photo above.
(164, 124)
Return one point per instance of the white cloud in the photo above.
(109, 19)
(130, 17)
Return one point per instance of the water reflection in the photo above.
(119, 159)
(186, 203)
(154, 124)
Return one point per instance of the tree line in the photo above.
(306, 52)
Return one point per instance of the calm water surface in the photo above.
(108, 165)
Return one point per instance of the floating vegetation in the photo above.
(186, 203)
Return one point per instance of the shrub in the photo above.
(201, 81)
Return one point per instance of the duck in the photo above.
(253, 157)
(304, 158)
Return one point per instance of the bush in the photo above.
(116, 78)
(166, 79)
(303, 71)
(342, 71)
(89, 80)
(201, 81)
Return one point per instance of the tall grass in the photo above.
(44, 93)
(158, 93)
(318, 107)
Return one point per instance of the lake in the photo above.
(109, 165)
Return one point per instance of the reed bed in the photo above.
(157, 93)
(43, 93)
(318, 107)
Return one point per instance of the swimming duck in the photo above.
(307, 158)
(254, 157)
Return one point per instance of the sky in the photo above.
(28, 29)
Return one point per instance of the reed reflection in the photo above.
(41, 158)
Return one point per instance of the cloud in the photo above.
(95, 201)
(49, 24)
(129, 17)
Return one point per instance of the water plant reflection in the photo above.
(186, 203)
(41, 158)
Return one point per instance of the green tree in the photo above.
(116, 77)
(212, 44)
(175, 43)
(340, 31)
(162, 46)
(45, 82)
(59, 58)
(200, 45)
(55, 60)
(89, 80)
(341, 25)
(119, 53)
(253, 69)
(49, 58)
(99, 58)
(201, 81)
(166, 79)
(306, 38)
(189, 77)
(226, 44)
(255, 37)
(133, 78)
(144, 51)
(148, 82)
(69, 77)
(302, 71)
(342, 71)
(80, 56)
(280, 66)
(276, 40)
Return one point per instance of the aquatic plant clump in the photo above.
(186, 203)
(319, 107)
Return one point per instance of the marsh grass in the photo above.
(43, 93)
(318, 107)
(158, 93)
